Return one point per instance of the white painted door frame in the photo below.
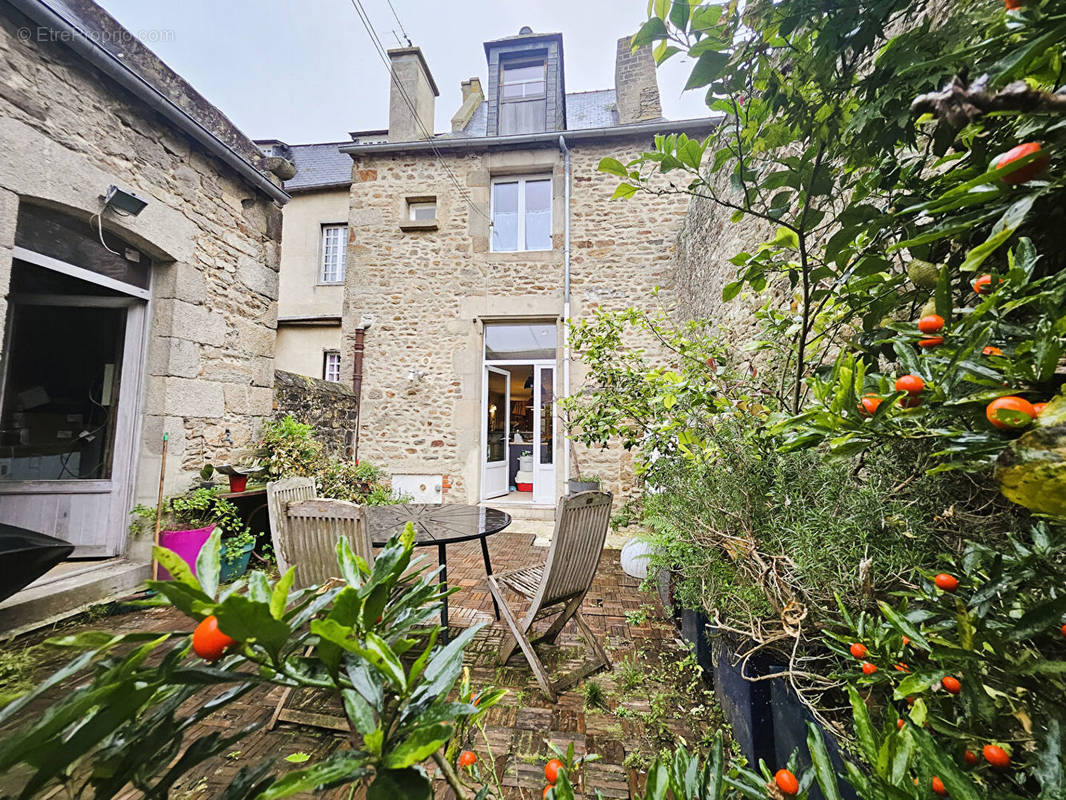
(543, 482)
(75, 507)
(494, 475)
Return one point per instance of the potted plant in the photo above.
(238, 474)
(590, 483)
(188, 520)
(234, 554)
(207, 476)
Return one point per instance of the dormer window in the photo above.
(522, 97)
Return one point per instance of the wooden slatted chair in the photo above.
(304, 530)
(558, 586)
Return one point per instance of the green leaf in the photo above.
(823, 767)
(280, 596)
(207, 563)
(649, 32)
(864, 729)
(786, 237)
(903, 625)
(176, 566)
(358, 711)
(421, 744)
(624, 191)
(613, 166)
(340, 768)
(708, 67)
(382, 657)
(731, 290)
(393, 784)
(248, 621)
(297, 758)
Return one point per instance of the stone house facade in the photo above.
(462, 245)
(121, 326)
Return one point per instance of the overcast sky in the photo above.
(304, 70)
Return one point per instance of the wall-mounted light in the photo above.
(123, 202)
(415, 374)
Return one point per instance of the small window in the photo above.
(334, 250)
(521, 214)
(422, 211)
(331, 366)
(522, 81)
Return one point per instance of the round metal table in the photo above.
(440, 525)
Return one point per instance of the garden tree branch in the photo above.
(961, 102)
(449, 775)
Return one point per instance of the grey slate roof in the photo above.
(321, 165)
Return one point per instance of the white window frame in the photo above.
(524, 83)
(331, 365)
(522, 180)
(332, 273)
(412, 206)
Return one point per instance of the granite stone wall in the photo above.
(67, 132)
(429, 293)
(330, 407)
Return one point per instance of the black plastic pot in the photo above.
(694, 630)
(746, 704)
(790, 718)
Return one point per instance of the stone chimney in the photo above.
(411, 74)
(473, 96)
(635, 85)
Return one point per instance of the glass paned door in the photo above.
(496, 412)
(544, 466)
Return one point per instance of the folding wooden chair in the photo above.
(559, 585)
(304, 530)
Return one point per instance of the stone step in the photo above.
(66, 591)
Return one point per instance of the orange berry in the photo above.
(1014, 5)
(992, 351)
(932, 341)
(1063, 629)
(1020, 412)
(869, 403)
(858, 650)
(970, 757)
(949, 583)
(208, 641)
(911, 384)
(552, 770)
(983, 285)
(906, 640)
(786, 782)
(996, 756)
(1026, 173)
(901, 667)
(868, 668)
(899, 724)
(951, 685)
(938, 787)
(931, 323)
(467, 759)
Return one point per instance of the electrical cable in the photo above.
(396, 17)
(383, 55)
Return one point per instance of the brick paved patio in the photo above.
(651, 698)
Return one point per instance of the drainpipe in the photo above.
(357, 385)
(566, 292)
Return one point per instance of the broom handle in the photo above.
(159, 507)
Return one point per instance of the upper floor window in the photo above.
(522, 106)
(331, 366)
(334, 249)
(522, 81)
(422, 210)
(521, 214)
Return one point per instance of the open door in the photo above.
(544, 463)
(496, 413)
